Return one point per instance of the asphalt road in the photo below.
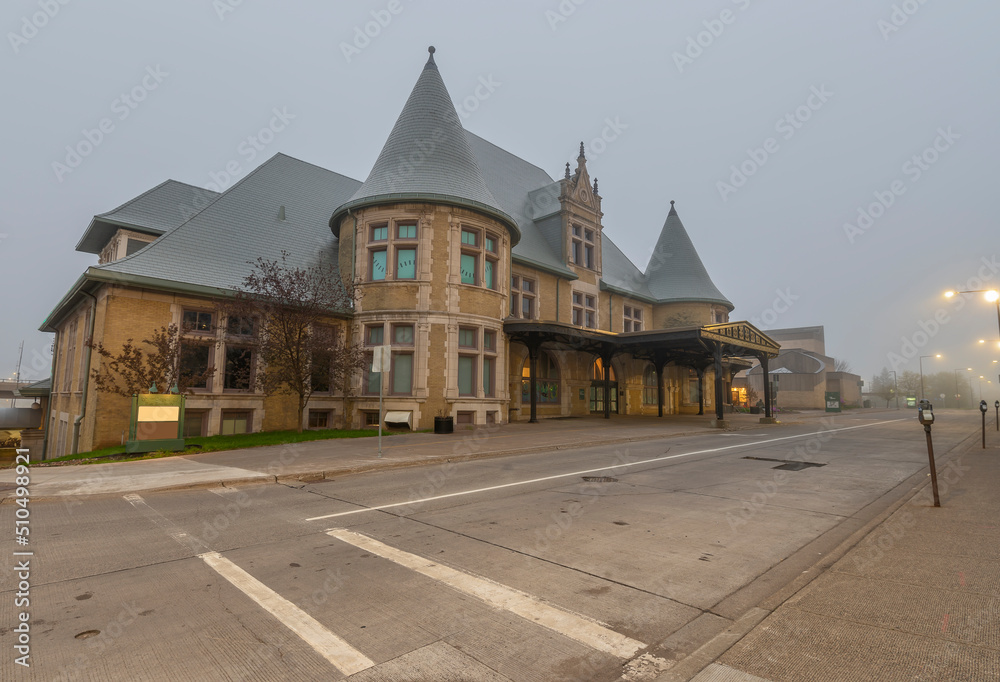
(514, 568)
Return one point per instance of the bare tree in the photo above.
(283, 316)
(134, 370)
(884, 387)
(840, 365)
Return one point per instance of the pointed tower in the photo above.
(427, 158)
(676, 276)
(428, 247)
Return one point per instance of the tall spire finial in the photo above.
(430, 58)
(582, 155)
(595, 185)
(567, 170)
(673, 211)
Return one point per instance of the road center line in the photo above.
(592, 471)
(339, 653)
(573, 625)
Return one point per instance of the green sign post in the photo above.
(832, 401)
(157, 423)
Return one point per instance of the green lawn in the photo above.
(217, 443)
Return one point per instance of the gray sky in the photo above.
(867, 85)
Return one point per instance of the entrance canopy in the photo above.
(696, 347)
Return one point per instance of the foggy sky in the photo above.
(691, 91)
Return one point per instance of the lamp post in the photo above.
(991, 295)
(958, 402)
(895, 387)
(922, 372)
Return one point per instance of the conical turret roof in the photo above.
(675, 272)
(427, 157)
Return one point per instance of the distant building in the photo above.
(802, 373)
(495, 285)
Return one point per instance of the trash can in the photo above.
(444, 425)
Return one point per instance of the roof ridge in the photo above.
(511, 154)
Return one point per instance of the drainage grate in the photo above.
(789, 465)
(600, 479)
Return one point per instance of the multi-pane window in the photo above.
(321, 362)
(477, 363)
(401, 367)
(633, 319)
(584, 310)
(522, 297)
(240, 326)
(489, 362)
(197, 321)
(478, 264)
(195, 360)
(392, 249)
(234, 422)
(319, 419)
(583, 247)
(650, 394)
(239, 368)
(468, 344)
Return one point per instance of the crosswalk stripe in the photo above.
(342, 655)
(573, 625)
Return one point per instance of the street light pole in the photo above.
(922, 372)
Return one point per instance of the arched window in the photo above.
(547, 381)
(650, 396)
(597, 372)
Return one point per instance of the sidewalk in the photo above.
(317, 460)
(915, 595)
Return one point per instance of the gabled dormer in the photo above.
(581, 214)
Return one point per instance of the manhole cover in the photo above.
(86, 634)
(600, 479)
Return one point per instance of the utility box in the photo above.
(157, 423)
(832, 400)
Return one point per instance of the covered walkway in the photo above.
(724, 348)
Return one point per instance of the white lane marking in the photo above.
(191, 541)
(342, 655)
(573, 625)
(591, 471)
(335, 650)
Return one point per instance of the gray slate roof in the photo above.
(512, 180)
(427, 154)
(154, 212)
(619, 272)
(214, 247)
(675, 272)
